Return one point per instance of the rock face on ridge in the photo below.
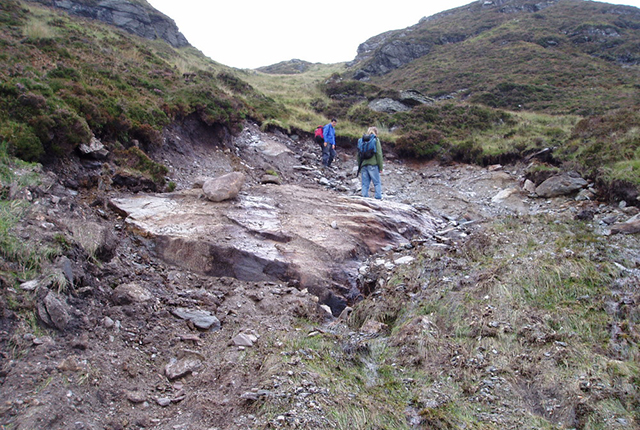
(131, 17)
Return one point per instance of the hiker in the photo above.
(371, 167)
(329, 148)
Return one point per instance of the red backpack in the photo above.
(319, 132)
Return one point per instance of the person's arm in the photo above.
(326, 131)
(379, 154)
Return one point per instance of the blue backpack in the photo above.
(366, 148)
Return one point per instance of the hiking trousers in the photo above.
(328, 154)
(371, 173)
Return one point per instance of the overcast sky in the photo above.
(254, 33)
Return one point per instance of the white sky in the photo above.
(255, 33)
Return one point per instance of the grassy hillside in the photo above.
(64, 80)
(571, 57)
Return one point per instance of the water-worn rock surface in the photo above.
(276, 233)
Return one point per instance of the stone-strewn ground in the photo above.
(133, 341)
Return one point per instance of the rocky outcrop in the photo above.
(407, 100)
(388, 105)
(132, 17)
(276, 233)
(387, 52)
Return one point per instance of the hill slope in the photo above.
(561, 56)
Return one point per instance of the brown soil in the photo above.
(107, 362)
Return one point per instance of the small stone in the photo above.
(108, 322)
(135, 397)
(244, 340)
(163, 401)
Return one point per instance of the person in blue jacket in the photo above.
(329, 148)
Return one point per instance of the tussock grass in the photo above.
(525, 327)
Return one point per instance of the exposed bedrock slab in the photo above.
(278, 233)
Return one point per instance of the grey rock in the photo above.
(163, 401)
(414, 98)
(54, 311)
(180, 368)
(201, 319)
(132, 17)
(560, 185)
(94, 149)
(224, 187)
(274, 233)
(388, 105)
(130, 293)
(386, 52)
(244, 339)
(30, 285)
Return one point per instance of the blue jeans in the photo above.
(328, 154)
(371, 174)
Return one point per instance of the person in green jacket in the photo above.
(371, 168)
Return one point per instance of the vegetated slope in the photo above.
(66, 79)
(133, 16)
(560, 56)
(516, 322)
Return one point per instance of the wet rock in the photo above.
(275, 233)
(224, 187)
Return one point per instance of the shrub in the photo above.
(22, 141)
(61, 131)
(136, 159)
(513, 96)
(426, 144)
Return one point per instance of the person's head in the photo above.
(373, 130)
(334, 122)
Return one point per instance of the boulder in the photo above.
(224, 187)
(560, 185)
(125, 294)
(629, 227)
(94, 149)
